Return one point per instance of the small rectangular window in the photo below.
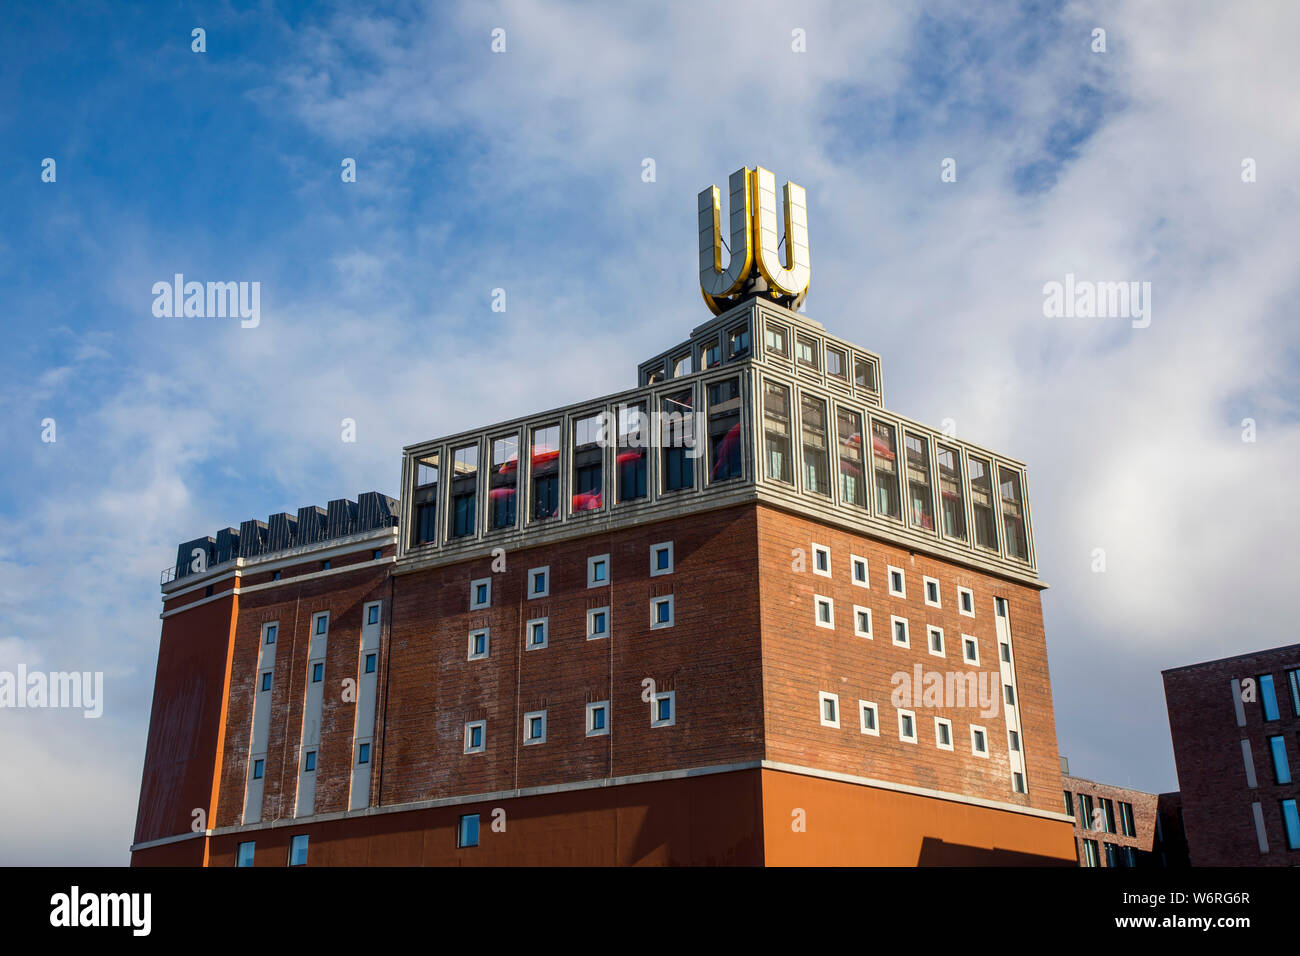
(1293, 680)
(276, 576)
(821, 560)
(776, 340)
(936, 641)
(1004, 649)
(661, 611)
(597, 623)
(266, 681)
(537, 636)
(864, 374)
(1090, 857)
(907, 726)
(298, 850)
(899, 625)
(270, 633)
(884, 455)
(830, 709)
(535, 727)
(480, 643)
(738, 342)
(480, 594)
(309, 763)
(318, 672)
(246, 853)
(860, 576)
(475, 736)
(322, 623)
(598, 718)
(598, 571)
(1069, 803)
(1011, 694)
(862, 621)
(805, 352)
(661, 558)
(1126, 822)
(897, 582)
(932, 592)
(711, 353)
(376, 554)
(324, 566)
(979, 741)
(837, 364)
(1013, 518)
(363, 753)
(869, 718)
(952, 502)
(1291, 820)
(259, 767)
(1013, 740)
(425, 499)
(825, 611)
(1281, 766)
(544, 458)
(966, 601)
(981, 499)
(372, 614)
(1268, 697)
(664, 713)
(682, 365)
(970, 651)
(943, 733)
(467, 831)
(539, 582)
(1018, 782)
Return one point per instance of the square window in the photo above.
(597, 623)
(270, 633)
(535, 727)
(979, 744)
(970, 649)
(376, 554)
(868, 717)
(259, 767)
(371, 662)
(324, 565)
(899, 627)
(598, 571)
(825, 611)
(309, 761)
(475, 736)
(936, 641)
(266, 681)
(539, 583)
(776, 341)
(837, 364)
(467, 831)
(897, 583)
(537, 633)
(805, 351)
(363, 753)
(932, 592)
(322, 623)
(276, 575)
(480, 593)
(860, 577)
(298, 850)
(821, 560)
(829, 706)
(480, 644)
(966, 601)
(907, 726)
(661, 558)
(372, 614)
(598, 718)
(661, 611)
(245, 857)
(318, 672)
(664, 713)
(943, 733)
(862, 621)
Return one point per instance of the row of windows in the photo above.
(663, 713)
(895, 580)
(309, 761)
(598, 575)
(297, 851)
(1116, 855)
(960, 476)
(869, 723)
(537, 630)
(900, 633)
(1087, 814)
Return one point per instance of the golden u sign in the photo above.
(754, 241)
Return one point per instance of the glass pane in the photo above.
(724, 430)
(1013, 519)
(503, 482)
(464, 488)
(864, 374)
(738, 342)
(952, 505)
(853, 476)
(884, 454)
(777, 340)
(805, 351)
(677, 434)
(816, 457)
(920, 499)
(630, 462)
(545, 462)
(981, 499)
(588, 462)
(776, 432)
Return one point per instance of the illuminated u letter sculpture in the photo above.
(754, 242)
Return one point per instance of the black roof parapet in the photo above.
(252, 538)
(311, 524)
(342, 517)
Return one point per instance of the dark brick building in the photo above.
(1120, 827)
(1234, 724)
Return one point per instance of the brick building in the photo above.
(1234, 724)
(740, 613)
(1120, 827)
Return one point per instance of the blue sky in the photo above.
(522, 171)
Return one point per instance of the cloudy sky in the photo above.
(522, 170)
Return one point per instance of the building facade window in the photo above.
(677, 435)
(544, 465)
(943, 733)
(936, 641)
(816, 455)
(805, 352)
(966, 601)
(464, 490)
(920, 498)
(588, 464)
(1281, 766)
(246, 853)
(467, 831)
(884, 456)
(1291, 821)
(363, 753)
(776, 340)
(1126, 823)
(475, 736)
(661, 558)
(979, 741)
(952, 502)
(970, 650)
(480, 593)
(630, 463)
(897, 581)
(864, 374)
(1268, 696)
(837, 364)
(537, 633)
(829, 706)
(503, 482)
(898, 625)
(597, 623)
(298, 850)
(480, 644)
(1090, 857)
(853, 473)
(821, 560)
(907, 726)
(737, 343)
(862, 621)
(981, 499)
(931, 592)
(598, 718)
(539, 582)
(664, 711)
(1013, 517)
(776, 432)
(598, 571)
(661, 611)
(824, 611)
(860, 569)
(425, 499)
(724, 430)
(535, 727)
(868, 718)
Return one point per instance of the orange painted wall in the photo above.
(853, 825)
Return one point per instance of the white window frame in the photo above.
(591, 569)
(821, 549)
(654, 549)
(973, 749)
(818, 601)
(591, 617)
(546, 634)
(528, 720)
(266, 626)
(656, 624)
(925, 591)
(930, 631)
(822, 698)
(482, 724)
(859, 610)
(943, 722)
(671, 697)
(591, 709)
(893, 631)
(854, 559)
(961, 605)
(487, 643)
(974, 640)
(378, 617)
(545, 592)
(865, 705)
(901, 736)
(315, 624)
(473, 589)
(889, 581)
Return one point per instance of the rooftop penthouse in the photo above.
(759, 404)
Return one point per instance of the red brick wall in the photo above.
(1217, 815)
(801, 659)
(1144, 819)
